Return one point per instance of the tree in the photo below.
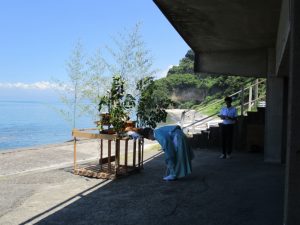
(150, 107)
(186, 65)
(131, 60)
(96, 83)
(128, 58)
(72, 95)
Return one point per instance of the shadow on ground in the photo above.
(241, 191)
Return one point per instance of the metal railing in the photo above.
(254, 100)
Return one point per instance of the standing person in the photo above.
(178, 155)
(229, 116)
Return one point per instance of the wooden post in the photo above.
(75, 159)
(139, 153)
(108, 156)
(193, 127)
(242, 101)
(142, 143)
(134, 152)
(101, 152)
(250, 99)
(117, 155)
(126, 154)
(256, 92)
(182, 119)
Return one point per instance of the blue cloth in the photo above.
(178, 154)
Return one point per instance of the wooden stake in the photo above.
(101, 152)
(117, 155)
(134, 152)
(139, 153)
(75, 164)
(109, 155)
(126, 154)
(142, 143)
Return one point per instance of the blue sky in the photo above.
(38, 36)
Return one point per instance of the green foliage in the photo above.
(130, 58)
(166, 86)
(151, 106)
(184, 81)
(118, 103)
(89, 79)
(215, 87)
(71, 93)
(96, 83)
(188, 104)
(186, 65)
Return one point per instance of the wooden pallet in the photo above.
(102, 172)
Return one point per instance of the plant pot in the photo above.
(129, 124)
(108, 131)
(105, 119)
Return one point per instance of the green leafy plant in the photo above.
(151, 107)
(118, 103)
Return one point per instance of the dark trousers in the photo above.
(227, 138)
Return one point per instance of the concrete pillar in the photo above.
(285, 119)
(274, 113)
(292, 185)
(274, 120)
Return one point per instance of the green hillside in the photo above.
(190, 90)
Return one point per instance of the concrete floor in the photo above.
(239, 191)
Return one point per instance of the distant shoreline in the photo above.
(36, 147)
(174, 114)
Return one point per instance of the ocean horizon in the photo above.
(33, 123)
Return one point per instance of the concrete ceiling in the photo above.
(224, 25)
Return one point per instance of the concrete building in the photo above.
(257, 38)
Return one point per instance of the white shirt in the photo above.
(230, 112)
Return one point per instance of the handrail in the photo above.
(238, 105)
(254, 100)
(197, 121)
(205, 118)
(220, 100)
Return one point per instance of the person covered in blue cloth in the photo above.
(178, 154)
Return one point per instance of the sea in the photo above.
(34, 123)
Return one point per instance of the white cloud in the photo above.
(163, 73)
(41, 85)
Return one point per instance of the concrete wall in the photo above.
(283, 33)
(292, 185)
(242, 63)
(274, 120)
